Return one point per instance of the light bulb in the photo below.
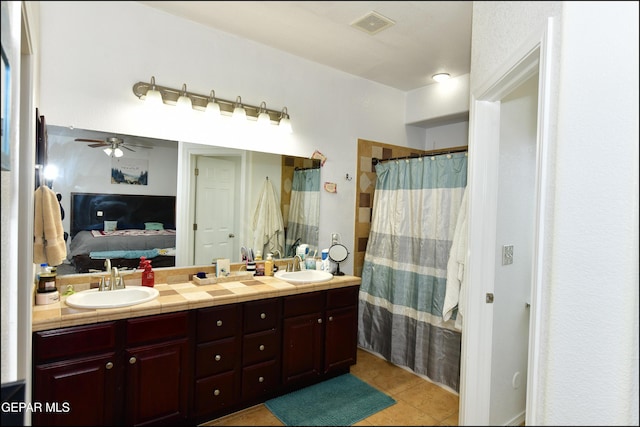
(239, 113)
(213, 108)
(153, 97)
(285, 123)
(263, 118)
(184, 102)
(118, 152)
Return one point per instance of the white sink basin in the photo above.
(304, 276)
(93, 298)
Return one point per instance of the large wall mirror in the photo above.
(181, 204)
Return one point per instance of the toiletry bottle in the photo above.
(268, 265)
(148, 275)
(325, 260)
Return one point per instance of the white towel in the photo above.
(48, 244)
(456, 280)
(268, 226)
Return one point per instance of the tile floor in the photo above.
(419, 402)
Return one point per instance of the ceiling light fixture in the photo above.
(113, 151)
(169, 96)
(440, 77)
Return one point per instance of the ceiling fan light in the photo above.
(108, 151)
(118, 152)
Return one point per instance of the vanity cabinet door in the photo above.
(156, 359)
(156, 383)
(77, 392)
(341, 329)
(302, 348)
(77, 376)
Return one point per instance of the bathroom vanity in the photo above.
(194, 353)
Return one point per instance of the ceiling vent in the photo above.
(372, 23)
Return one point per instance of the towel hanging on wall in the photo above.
(48, 243)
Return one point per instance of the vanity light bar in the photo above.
(199, 102)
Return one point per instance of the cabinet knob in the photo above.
(263, 316)
(261, 347)
(216, 392)
(109, 365)
(319, 320)
(219, 323)
(261, 379)
(330, 318)
(217, 358)
(132, 360)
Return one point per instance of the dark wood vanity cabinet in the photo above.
(319, 335)
(156, 359)
(77, 376)
(261, 349)
(218, 350)
(131, 371)
(192, 366)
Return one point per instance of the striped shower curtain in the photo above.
(304, 210)
(415, 207)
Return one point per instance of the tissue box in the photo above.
(223, 267)
(208, 281)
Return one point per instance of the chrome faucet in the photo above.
(296, 263)
(115, 280)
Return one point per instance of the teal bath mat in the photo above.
(340, 401)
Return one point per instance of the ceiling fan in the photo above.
(112, 146)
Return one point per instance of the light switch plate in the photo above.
(507, 254)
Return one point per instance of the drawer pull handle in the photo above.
(132, 360)
(216, 392)
(261, 379)
(330, 318)
(319, 320)
(261, 347)
(217, 358)
(263, 316)
(219, 323)
(109, 365)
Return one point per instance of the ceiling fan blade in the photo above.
(98, 145)
(90, 140)
(140, 146)
(124, 146)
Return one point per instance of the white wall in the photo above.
(93, 53)
(588, 373)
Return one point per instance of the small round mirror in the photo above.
(337, 254)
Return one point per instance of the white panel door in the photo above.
(214, 203)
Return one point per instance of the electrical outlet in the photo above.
(507, 254)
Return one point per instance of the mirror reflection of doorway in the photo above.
(215, 225)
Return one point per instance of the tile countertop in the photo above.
(177, 293)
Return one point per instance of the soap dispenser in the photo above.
(147, 275)
(268, 265)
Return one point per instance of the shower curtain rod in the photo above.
(460, 149)
(304, 169)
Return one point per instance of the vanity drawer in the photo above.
(296, 305)
(156, 328)
(215, 393)
(342, 297)
(261, 315)
(74, 341)
(260, 379)
(218, 322)
(216, 357)
(260, 346)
